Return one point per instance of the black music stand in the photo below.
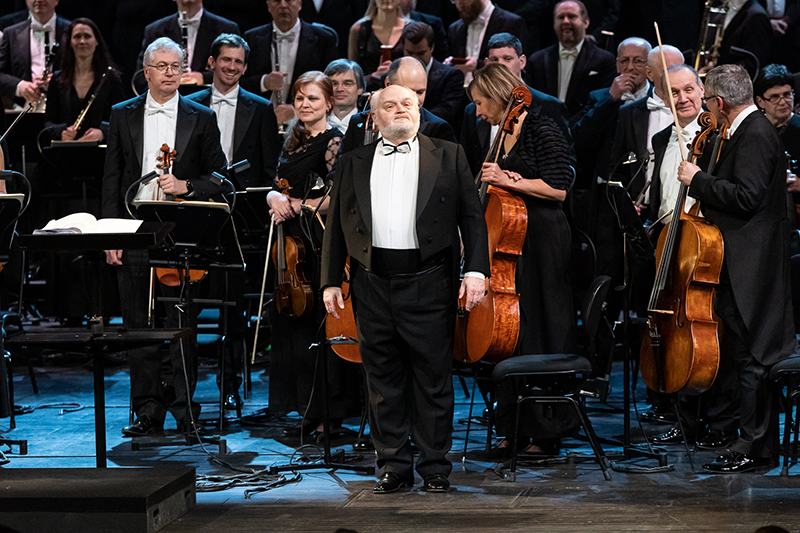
(204, 238)
(636, 249)
(149, 235)
(82, 162)
(24, 141)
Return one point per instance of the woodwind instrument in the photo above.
(711, 33)
(82, 115)
(49, 62)
(184, 39)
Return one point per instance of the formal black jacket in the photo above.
(338, 14)
(440, 47)
(446, 203)
(594, 69)
(445, 96)
(255, 137)
(316, 49)
(63, 107)
(211, 26)
(500, 21)
(15, 54)
(751, 30)
(429, 125)
(790, 136)
(630, 136)
(476, 132)
(746, 199)
(196, 141)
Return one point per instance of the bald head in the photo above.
(410, 73)
(655, 68)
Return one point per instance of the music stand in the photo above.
(24, 140)
(82, 161)
(204, 238)
(636, 248)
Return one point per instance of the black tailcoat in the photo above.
(15, 54)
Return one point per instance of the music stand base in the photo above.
(369, 470)
(180, 440)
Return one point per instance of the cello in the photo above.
(491, 329)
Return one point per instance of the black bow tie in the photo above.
(402, 148)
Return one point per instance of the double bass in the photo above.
(491, 329)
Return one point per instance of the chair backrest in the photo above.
(591, 310)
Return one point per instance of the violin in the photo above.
(171, 277)
(293, 294)
(491, 329)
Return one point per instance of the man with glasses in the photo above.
(137, 130)
(745, 198)
(348, 85)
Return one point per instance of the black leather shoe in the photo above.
(673, 436)
(735, 463)
(659, 416)
(192, 429)
(716, 438)
(436, 483)
(144, 425)
(233, 402)
(303, 427)
(392, 482)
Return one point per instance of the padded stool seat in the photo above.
(528, 365)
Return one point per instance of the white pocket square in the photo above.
(593, 72)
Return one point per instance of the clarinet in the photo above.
(49, 62)
(184, 39)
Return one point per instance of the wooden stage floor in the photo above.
(558, 496)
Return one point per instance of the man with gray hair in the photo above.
(400, 209)
(137, 130)
(745, 198)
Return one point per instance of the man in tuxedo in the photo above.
(283, 50)
(347, 79)
(468, 38)
(407, 72)
(400, 208)
(23, 50)
(574, 67)
(745, 197)
(202, 28)
(477, 134)
(440, 50)
(248, 130)
(444, 96)
(748, 28)
(137, 130)
(338, 14)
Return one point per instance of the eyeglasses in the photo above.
(162, 68)
(637, 61)
(707, 98)
(775, 99)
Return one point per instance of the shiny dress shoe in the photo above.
(233, 402)
(659, 416)
(716, 438)
(144, 425)
(436, 483)
(303, 427)
(735, 463)
(193, 428)
(673, 436)
(392, 482)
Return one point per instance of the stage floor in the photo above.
(556, 496)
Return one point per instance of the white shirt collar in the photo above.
(294, 30)
(485, 14)
(196, 18)
(740, 118)
(171, 104)
(578, 48)
(50, 25)
(217, 95)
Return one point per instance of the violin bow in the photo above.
(669, 92)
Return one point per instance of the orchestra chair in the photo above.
(560, 376)
(786, 374)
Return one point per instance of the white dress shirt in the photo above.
(38, 49)
(659, 118)
(224, 105)
(341, 124)
(566, 63)
(733, 8)
(476, 31)
(740, 118)
(283, 58)
(393, 184)
(669, 170)
(193, 24)
(776, 8)
(159, 127)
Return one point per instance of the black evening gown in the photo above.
(64, 105)
(369, 52)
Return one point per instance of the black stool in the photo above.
(787, 374)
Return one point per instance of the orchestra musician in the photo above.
(308, 157)
(137, 130)
(537, 168)
(84, 62)
(746, 199)
(382, 26)
(397, 208)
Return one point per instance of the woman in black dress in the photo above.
(308, 157)
(382, 26)
(85, 60)
(536, 167)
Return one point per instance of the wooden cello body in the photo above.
(345, 325)
(491, 329)
(680, 351)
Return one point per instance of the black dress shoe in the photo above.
(144, 425)
(673, 436)
(659, 416)
(735, 463)
(436, 483)
(194, 427)
(716, 438)
(392, 482)
(233, 402)
(303, 427)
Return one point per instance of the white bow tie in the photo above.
(229, 99)
(567, 53)
(39, 27)
(154, 109)
(287, 37)
(656, 105)
(685, 135)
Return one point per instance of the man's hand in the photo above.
(284, 113)
(622, 84)
(332, 296)
(779, 26)
(114, 257)
(473, 288)
(192, 78)
(273, 81)
(469, 66)
(686, 172)
(792, 183)
(172, 185)
(382, 69)
(69, 134)
(30, 91)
